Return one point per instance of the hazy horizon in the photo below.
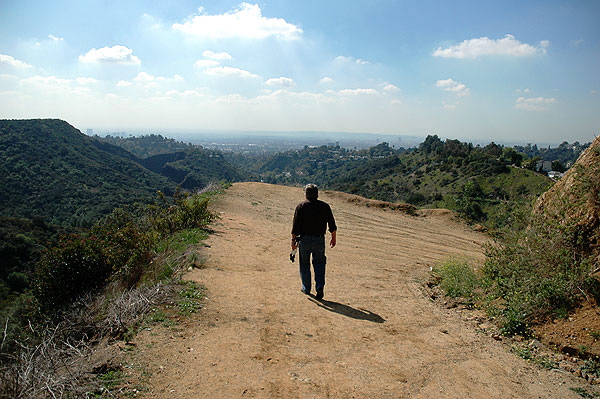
(510, 71)
(191, 135)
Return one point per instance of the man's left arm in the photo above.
(332, 228)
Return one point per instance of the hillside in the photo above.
(375, 334)
(575, 199)
(189, 166)
(56, 180)
(484, 184)
(51, 170)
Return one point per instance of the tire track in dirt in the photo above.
(375, 335)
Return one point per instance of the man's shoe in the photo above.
(305, 292)
(320, 294)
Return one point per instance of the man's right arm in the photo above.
(295, 230)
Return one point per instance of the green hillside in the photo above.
(189, 166)
(484, 184)
(51, 170)
(56, 180)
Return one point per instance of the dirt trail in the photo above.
(376, 335)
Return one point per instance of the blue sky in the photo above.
(509, 71)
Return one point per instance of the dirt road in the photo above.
(376, 335)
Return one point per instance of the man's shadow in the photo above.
(349, 311)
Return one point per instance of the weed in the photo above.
(167, 272)
(524, 353)
(190, 297)
(546, 362)
(592, 367)
(157, 317)
(180, 240)
(112, 378)
(583, 393)
(595, 335)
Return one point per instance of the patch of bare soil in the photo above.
(375, 334)
(578, 334)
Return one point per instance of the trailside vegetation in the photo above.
(549, 266)
(54, 180)
(99, 283)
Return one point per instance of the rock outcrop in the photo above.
(575, 201)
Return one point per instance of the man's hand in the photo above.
(294, 243)
(333, 239)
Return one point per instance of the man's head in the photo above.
(312, 191)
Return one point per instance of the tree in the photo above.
(432, 145)
(558, 166)
(511, 156)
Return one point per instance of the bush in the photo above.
(188, 212)
(119, 248)
(64, 273)
(539, 273)
(457, 278)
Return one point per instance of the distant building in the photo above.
(543, 166)
(90, 132)
(555, 175)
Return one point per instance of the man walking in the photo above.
(311, 219)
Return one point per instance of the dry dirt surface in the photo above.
(375, 334)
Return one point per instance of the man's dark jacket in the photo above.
(312, 217)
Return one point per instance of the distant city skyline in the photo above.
(509, 72)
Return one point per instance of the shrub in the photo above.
(457, 278)
(538, 272)
(77, 266)
(188, 212)
(119, 248)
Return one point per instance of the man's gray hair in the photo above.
(312, 191)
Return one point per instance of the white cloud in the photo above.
(13, 62)
(357, 92)
(144, 77)
(184, 94)
(526, 90)
(448, 106)
(483, 46)
(217, 56)
(85, 81)
(390, 88)
(229, 72)
(110, 55)
(534, 103)
(460, 89)
(246, 21)
(326, 80)
(47, 86)
(55, 38)
(231, 99)
(282, 81)
(148, 81)
(576, 43)
(206, 63)
(348, 60)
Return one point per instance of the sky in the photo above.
(505, 71)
